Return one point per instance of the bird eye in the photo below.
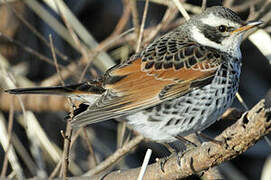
(222, 28)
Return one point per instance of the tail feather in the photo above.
(77, 89)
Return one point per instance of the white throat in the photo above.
(228, 45)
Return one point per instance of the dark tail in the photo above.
(82, 88)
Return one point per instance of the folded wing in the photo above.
(166, 69)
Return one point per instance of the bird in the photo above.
(179, 84)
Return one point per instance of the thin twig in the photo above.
(55, 60)
(10, 125)
(66, 150)
(34, 30)
(90, 148)
(123, 20)
(102, 47)
(51, 21)
(203, 5)
(81, 47)
(54, 172)
(266, 172)
(189, 7)
(67, 142)
(35, 143)
(142, 26)
(244, 6)
(29, 50)
(145, 164)
(12, 157)
(105, 60)
(182, 9)
(258, 13)
(135, 17)
(24, 154)
(228, 3)
(51, 148)
(116, 156)
(169, 15)
(76, 135)
(121, 133)
(241, 100)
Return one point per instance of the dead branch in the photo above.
(236, 139)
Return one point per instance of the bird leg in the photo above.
(165, 159)
(185, 141)
(174, 149)
(209, 138)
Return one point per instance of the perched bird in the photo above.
(179, 84)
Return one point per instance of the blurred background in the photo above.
(27, 60)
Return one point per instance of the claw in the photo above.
(179, 157)
(162, 163)
(165, 159)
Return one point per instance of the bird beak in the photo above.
(247, 26)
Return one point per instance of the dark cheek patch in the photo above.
(212, 33)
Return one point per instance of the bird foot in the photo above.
(179, 157)
(163, 161)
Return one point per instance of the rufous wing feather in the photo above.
(134, 86)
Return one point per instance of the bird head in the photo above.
(220, 28)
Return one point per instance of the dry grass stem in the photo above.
(241, 100)
(55, 60)
(182, 9)
(56, 170)
(115, 156)
(262, 36)
(169, 15)
(145, 164)
(135, 17)
(123, 20)
(266, 173)
(35, 143)
(12, 157)
(142, 26)
(23, 153)
(90, 148)
(36, 7)
(203, 5)
(10, 125)
(105, 61)
(29, 50)
(34, 30)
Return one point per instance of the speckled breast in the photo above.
(200, 108)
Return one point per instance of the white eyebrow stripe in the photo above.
(231, 46)
(201, 39)
(215, 21)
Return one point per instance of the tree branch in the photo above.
(236, 139)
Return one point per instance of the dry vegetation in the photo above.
(38, 49)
